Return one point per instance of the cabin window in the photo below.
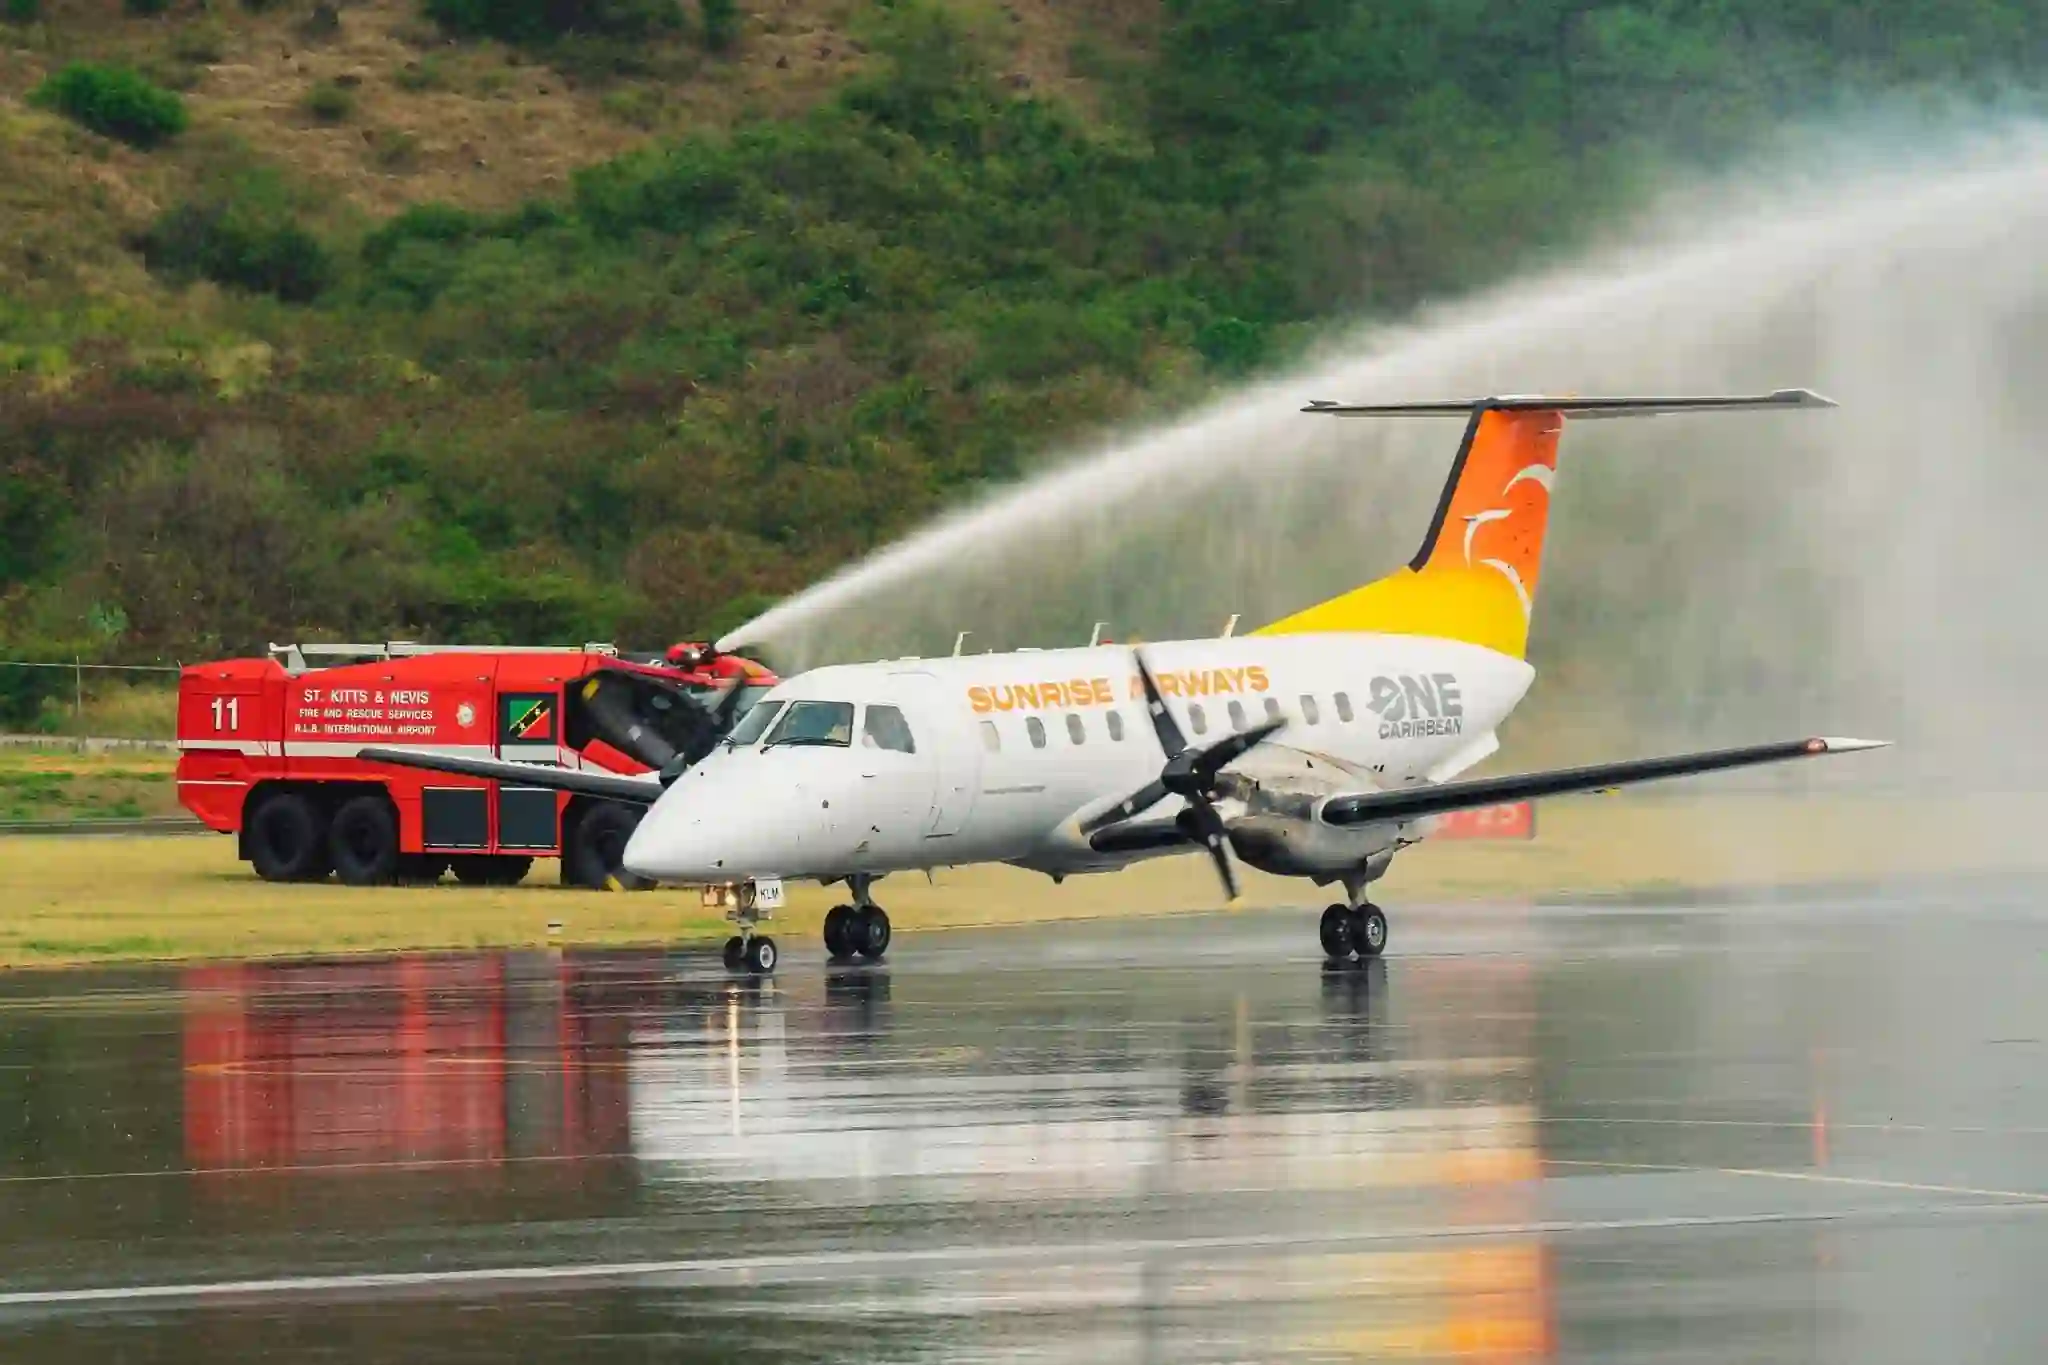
(1272, 708)
(753, 723)
(991, 738)
(1035, 728)
(885, 728)
(1344, 707)
(1116, 726)
(1309, 712)
(828, 723)
(1199, 719)
(1237, 721)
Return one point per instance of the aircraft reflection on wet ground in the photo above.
(1682, 1133)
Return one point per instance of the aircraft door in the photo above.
(940, 725)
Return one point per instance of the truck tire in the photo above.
(597, 846)
(486, 869)
(363, 841)
(285, 840)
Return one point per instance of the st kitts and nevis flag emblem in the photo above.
(526, 718)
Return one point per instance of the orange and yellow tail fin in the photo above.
(1475, 577)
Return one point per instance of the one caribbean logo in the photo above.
(1412, 706)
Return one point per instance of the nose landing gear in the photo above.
(745, 908)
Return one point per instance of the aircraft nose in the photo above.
(697, 832)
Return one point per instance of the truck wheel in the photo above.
(483, 869)
(363, 841)
(284, 839)
(597, 849)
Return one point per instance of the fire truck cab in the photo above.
(268, 753)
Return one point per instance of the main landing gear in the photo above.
(857, 930)
(1346, 930)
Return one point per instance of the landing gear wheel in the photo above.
(761, 955)
(284, 839)
(1337, 935)
(839, 925)
(363, 841)
(735, 952)
(871, 932)
(483, 869)
(1369, 930)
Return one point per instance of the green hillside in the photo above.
(617, 318)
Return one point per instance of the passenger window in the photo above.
(1116, 726)
(991, 738)
(1272, 708)
(1036, 729)
(1344, 707)
(1199, 720)
(1074, 730)
(1237, 716)
(1309, 712)
(814, 722)
(885, 728)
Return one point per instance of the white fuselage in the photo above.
(1007, 752)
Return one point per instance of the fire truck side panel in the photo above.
(229, 723)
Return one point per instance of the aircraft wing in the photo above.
(642, 791)
(1412, 803)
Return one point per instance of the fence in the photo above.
(151, 715)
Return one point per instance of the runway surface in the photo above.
(1784, 1129)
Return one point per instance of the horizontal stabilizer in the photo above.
(638, 790)
(1416, 802)
(1578, 407)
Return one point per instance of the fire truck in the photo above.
(267, 752)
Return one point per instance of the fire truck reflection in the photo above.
(414, 1059)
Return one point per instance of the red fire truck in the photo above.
(268, 753)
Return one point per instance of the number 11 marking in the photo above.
(232, 710)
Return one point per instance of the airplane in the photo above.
(1318, 746)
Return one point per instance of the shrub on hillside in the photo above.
(330, 103)
(535, 21)
(145, 8)
(239, 247)
(22, 11)
(721, 23)
(114, 101)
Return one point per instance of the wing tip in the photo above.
(1841, 744)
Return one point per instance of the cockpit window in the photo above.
(885, 728)
(814, 722)
(753, 722)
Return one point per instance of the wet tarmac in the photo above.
(1786, 1129)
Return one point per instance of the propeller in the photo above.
(1191, 774)
(720, 724)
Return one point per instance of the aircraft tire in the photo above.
(838, 932)
(1369, 931)
(761, 955)
(285, 839)
(1336, 933)
(362, 843)
(871, 932)
(735, 952)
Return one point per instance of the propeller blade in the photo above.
(1209, 825)
(1224, 752)
(1163, 724)
(1144, 799)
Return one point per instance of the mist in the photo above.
(1707, 578)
